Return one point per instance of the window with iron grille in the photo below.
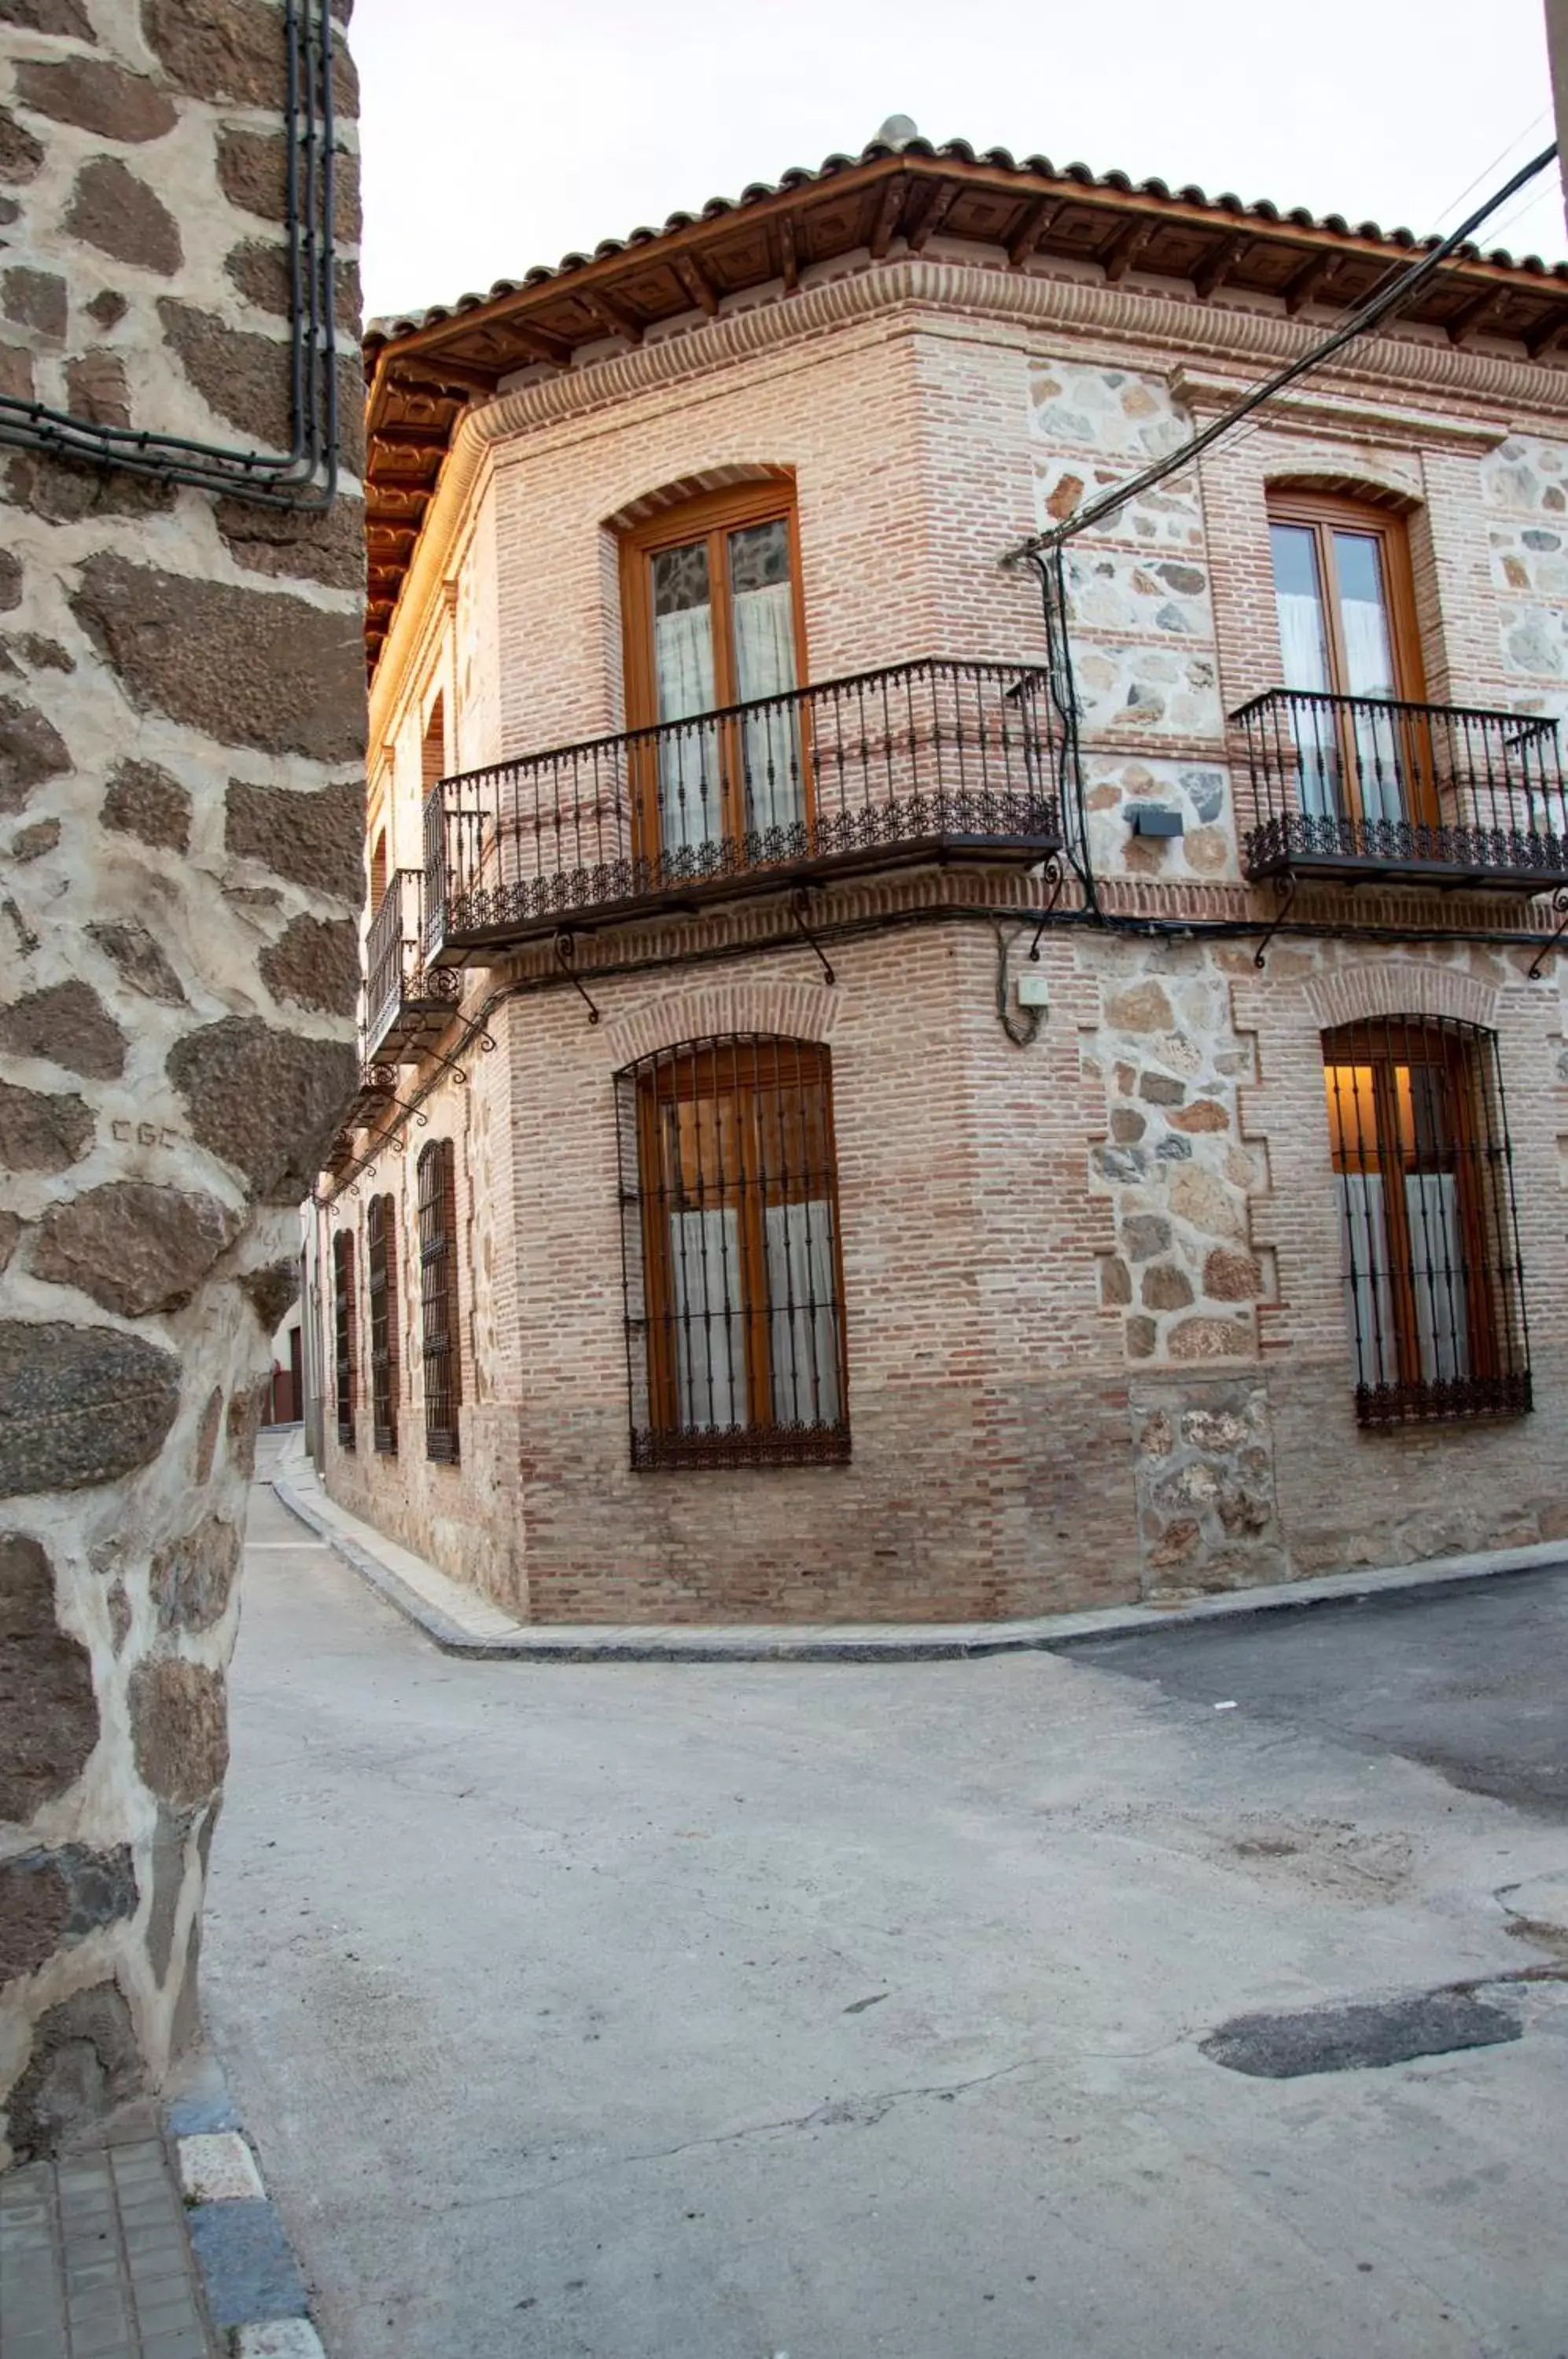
(381, 1242)
(439, 1298)
(730, 1235)
(347, 1341)
(1433, 1290)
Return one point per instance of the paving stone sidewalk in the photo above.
(95, 2260)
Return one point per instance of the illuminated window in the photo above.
(1432, 1292)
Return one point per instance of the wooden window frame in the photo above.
(1475, 1150)
(736, 1070)
(710, 516)
(440, 1301)
(1325, 513)
(381, 1275)
(346, 1340)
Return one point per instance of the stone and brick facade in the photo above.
(181, 745)
(1093, 1301)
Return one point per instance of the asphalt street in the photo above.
(1471, 1679)
(702, 2012)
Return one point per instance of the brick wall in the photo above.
(1095, 1322)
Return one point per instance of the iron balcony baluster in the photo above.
(1369, 787)
(921, 762)
(407, 1003)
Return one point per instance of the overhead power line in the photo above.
(1379, 306)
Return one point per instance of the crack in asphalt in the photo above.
(840, 2113)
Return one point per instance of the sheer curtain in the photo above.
(1368, 1286)
(1436, 1276)
(1370, 668)
(687, 759)
(1431, 1208)
(709, 1349)
(1304, 649)
(765, 665)
(803, 1316)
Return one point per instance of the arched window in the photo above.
(735, 1296)
(1345, 600)
(381, 1240)
(345, 1336)
(1433, 1291)
(439, 1312)
(711, 595)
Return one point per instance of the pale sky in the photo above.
(498, 135)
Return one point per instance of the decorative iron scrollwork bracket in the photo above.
(800, 904)
(565, 954)
(1054, 871)
(1559, 904)
(1287, 904)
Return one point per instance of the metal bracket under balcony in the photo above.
(923, 764)
(376, 1089)
(1367, 791)
(409, 1004)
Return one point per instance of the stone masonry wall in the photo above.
(181, 729)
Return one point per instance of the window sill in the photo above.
(1468, 1398)
(792, 1445)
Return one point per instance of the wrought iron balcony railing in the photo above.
(1363, 788)
(930, 761)
(406, 1003)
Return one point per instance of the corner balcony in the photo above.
(1363, 789)
(926, 762)
(407, 1005)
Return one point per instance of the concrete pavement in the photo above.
(626, 2011)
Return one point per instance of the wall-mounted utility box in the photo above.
(1034, 988)
(1147, 819)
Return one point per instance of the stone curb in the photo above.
(903, 1641)
(255, 2288)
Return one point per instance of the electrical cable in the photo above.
(1176, 930)
(304, 479)
(1377, 307)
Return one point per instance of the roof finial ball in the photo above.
(898, 132)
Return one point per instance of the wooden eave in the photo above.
(423, 374)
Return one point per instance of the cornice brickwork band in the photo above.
(956, 297)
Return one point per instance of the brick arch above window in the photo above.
(721, 477)
(1377, 479)
(1353, 994)
(799, 1011)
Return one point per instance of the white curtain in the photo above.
(802, 1319)
(1368, 1290)
(1437, 1276)
(688, 758)
(1306, 666)
(765, 665)
(710, 1347)
(1431, 1208)
(1370, 664)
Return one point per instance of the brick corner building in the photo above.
(860, 1120)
